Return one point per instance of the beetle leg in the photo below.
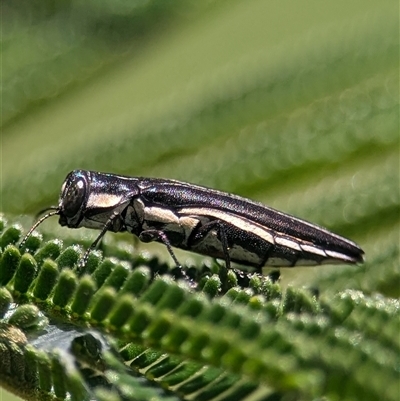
(82, 262)
(154, 235)
(202, 231)
(158, 235)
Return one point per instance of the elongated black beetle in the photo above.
(197, 219)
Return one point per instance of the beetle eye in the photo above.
(74, 196)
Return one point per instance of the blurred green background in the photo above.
(294, 104)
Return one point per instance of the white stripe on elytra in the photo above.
(239, 222)
(287, 243)
(246, 225)
(191, 217)
(338, 255)
(313, 249)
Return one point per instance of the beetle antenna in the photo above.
(55, 210)
(38, 214)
